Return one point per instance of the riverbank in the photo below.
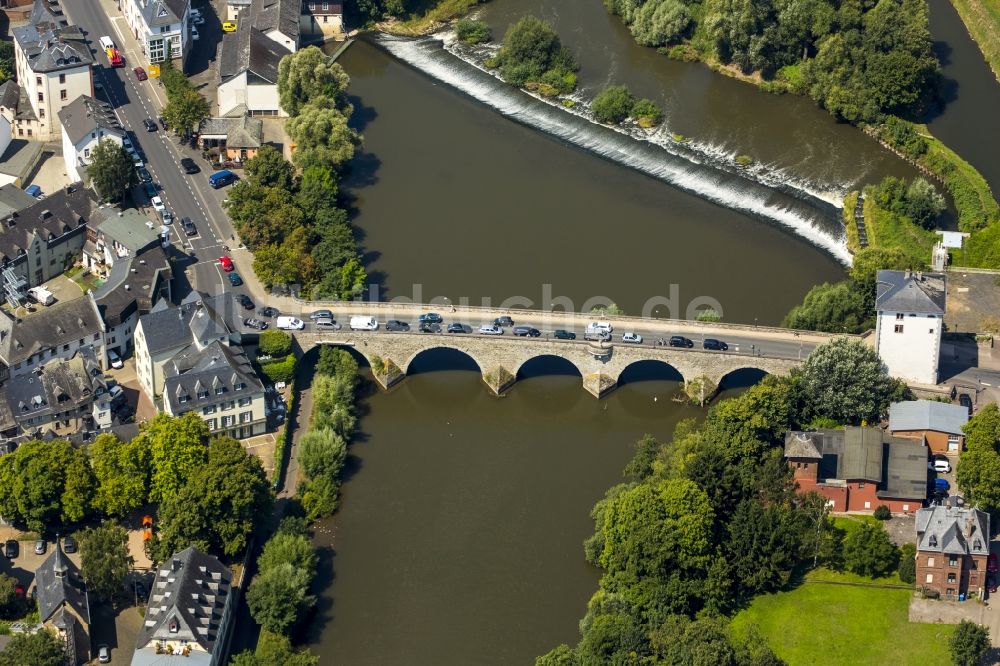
(433, 20)
(982, 20)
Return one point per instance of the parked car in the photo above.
(115, 360)
(168, 217)
(717, 345)
(940, 465)
(431, 318)
(189, 227)
(526, 331)
(459, 328)
(267, 312)
(227, 264)
(144, 177)
(257, 324)
(289, 324)
(33, 191)
(429, 327)
(503, 320)
(991, 563)
(103, 654)
(396, 325)
(680, 341)
(490, 329)
(149, 124)
(245, 301)
(150, 189)
(140, 74)
(197, 19)
(965, 401)
(235, 279)
(560, 334)
(228, 26)
(117, 393)
(316, 314)
(158, 205)
(189, 166)
(69, 544)
(631, 336)
(941, 485)
(11, 549)
(194, 33)
(41, 546)
(326, 323)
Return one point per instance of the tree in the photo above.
(907, 563)
(121, 470)
(657, 23)
(699, 642)
(268, 168)
(322, 137)
(923, 203)
(40, 490)
(7, 65)
(274, 650)
(39, 649)
(978, 473)
(613, 105)
(185, 110)
(531, 49)
(336, 362)
(317, 193)
(285, 547)
(309, 74)
(177, 448)
(869, 552)
(969, 643)
(833, 308)
(274, 343)
(562, 655)
(845, 380)
(8, 597)
(111, 170)
(472, 31)
(322, 453)
(105, 559)
(278, 597)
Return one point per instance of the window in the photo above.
(312, 6)
(952, 561)
(41, 97)
(208, 409)
(950, 592)
(86, 152)
(931, 331)
(65, 347)
(228, 421)
(861, 485)
(899, 328)
(930, 578)
(20, 132)
(245, 401)
(62, 78)
(62, 94)
(906, 507)
(240, 386)
(29, 131)
(97, 336)
(899, 316)
(326, 6)
(211, 423)
(220, 390)
(930, 561)
(38, 80)
(202, 395)
(246, 417)
(951, 578)
(41, 113)
(183, 398)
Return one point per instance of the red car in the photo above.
(226, 263)
(140, 74)
(991, 563)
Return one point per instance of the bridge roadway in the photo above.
(772, 350)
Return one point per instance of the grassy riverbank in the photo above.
(428, 19)
(982, 19)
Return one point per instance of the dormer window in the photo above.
(240, 386)
(202, 395)
(174, 626)
(220, 390)
(183, 398)
(932, 541)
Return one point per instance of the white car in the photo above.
(115, 360)
(629, 336)
(601, 326)
(197, 19)
(939, 465)
(158, 204)
(138, 164)
(103, 654)
(490, 329)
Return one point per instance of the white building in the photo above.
(248, 72)
(85, 123)
(53, 64)
(910, 311)
(5, 137)
(278, 20)
(322, 19)
(161, 27)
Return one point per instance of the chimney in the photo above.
(175, 565)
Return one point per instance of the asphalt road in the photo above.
(184, 195)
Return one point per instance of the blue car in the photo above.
(33, 191)
(941, 485)
(431, 318)
(235, 279)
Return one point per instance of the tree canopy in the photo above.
(309, 75)
(111, 170)
(533, 53)
(38, 649)
(47, 485)
(105, 559)
(121, 470)
(978, 473)
(969, 643)
(177, 447)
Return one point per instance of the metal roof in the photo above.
(927, 415)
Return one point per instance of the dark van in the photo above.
(221, 178)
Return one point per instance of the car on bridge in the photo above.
(490, 329)
(235, 279)
(290, 324)
(429, 327)
(459, 328)
(503, 320)
(630, 336)
(396, 325)
(227, 264)
(326, 323)
(680, 341)
(251, 322)
(316, 314)
(560, 334)
(717, 345)
(431, 318)
(527, 331)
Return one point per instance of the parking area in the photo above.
(23, 566)
(973, 302)
(118, 631)
(51, 175)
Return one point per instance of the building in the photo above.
(53, 64)
(910, 311)
(322, 20)
(85, 123)
(13, 199)
(938, 424)
(278, 20)
(63, 604)
(62, 396)
(238, 139)
(162, 28)
(218, 383)
(55, 332)
(858, 469)
(953, 543)
(41, 241)
(248, 72)
(189, 612)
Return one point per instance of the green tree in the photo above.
(39, 490)
(923, 203)
(660, 22)
(287, 548)
(105, 559)
(308, 75)
(969, 643)
(613, 105)
(845, 380)
(702, 641)
(8, 597)
(38, 649)
(869, 552)
(274, 650)
(343, 284)
(562, 655)
(322, 453)
(185, 111)
(274, 343)
(111, 170)
(7, 65)
(121, 470)
(278, 597)
(978, 473)
(472, 31)
(176, 448)
(336, 362)
(531, 49)
(317, 191)
(268, 168)
(322, 137)
(907, 563)
(833, 308)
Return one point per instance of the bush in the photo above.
(274, 343)
(472, 31)
(646, 113)
(882, 512)
(969, 643)
(907, 563)
(613, 105)
(530, 49)
(280, 371)
(869, 552)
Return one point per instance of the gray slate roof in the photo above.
(168, 327)
(85, 115)
(959, 530)
(223, 372)
(62, 384)
(48, 11)
(50, 48)
(58, 582)
(13, 199)
(927, 415)
(249, 50)
(280, 15)
(10, 93)
(905, 474)
(125, 291)
(189, 594)
(49, 328)
(905, 291)
(240, 132)
(158, 13)
(58, 213)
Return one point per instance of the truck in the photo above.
(42, 295)
(289, 324)
(114, 57)
(363, 323)
(600, 331)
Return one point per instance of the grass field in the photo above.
(886, 229)
(982, 18)
(827, 624)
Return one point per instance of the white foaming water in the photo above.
(689, 170)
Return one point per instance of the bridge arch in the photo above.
(408, 364)
(742, 377)
(563, 366)
(650, 369)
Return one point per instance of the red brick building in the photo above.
(857, 469)
(939, 424)
(953, 543)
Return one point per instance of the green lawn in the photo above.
(823, 624)
(982, 18)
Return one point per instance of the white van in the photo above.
(604, 326)
(363, 323)
(42, 295)
(106, 43)
(290, 324)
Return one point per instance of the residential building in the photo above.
(85, 123)
(5, 130)
(220, 385)
(953, 543)
(161, 27)
(938, 424)
(189, 612)
(63, 604)
(19, 158)
(13, 200)
(321, 19)
(41, 241)
(248, 72)
(910, 311)
(278, 20)
(234, 7)
(63, 396)
(858, 469)
(238, 139)
(58, 331)
(10, 96)
(53, 64)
